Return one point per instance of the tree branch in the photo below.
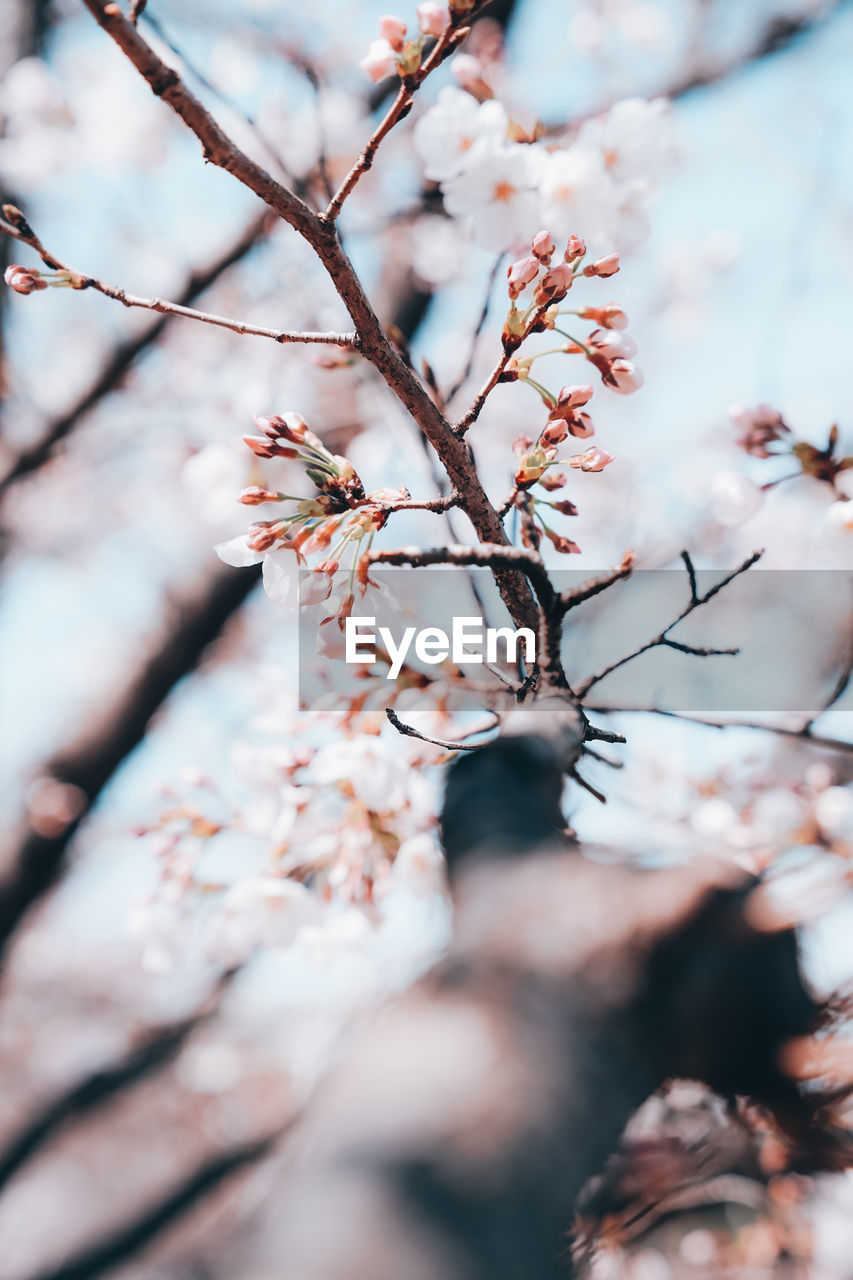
(19, 229)
(662, 639)
(803, 734)
(321, 234)
(125, 353)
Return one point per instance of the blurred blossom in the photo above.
(599, 186)
(734, 498)
(439, 250)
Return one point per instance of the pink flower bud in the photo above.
(562, 544)
(610, 316)
(521, 444)
(575, 249)
(290, 426)
(22, 280)
(520, 274)
(543, 246)
(554, 480)
(379, 61)
(433, 18)
(263, 535)
(603, 267)
(593, 460)
(260, 446)
(555, 432)
(392, 29)
(470, 76)
(612, 343)
(580, 425)
(565, 507)
(254, 496)
(555, 284)
(574, 397)
(623, 376)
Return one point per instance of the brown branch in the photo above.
(587, 590)
(478, 329)
(802, 734)
(497, 373)
(452, 36)
(125, 353)
(321, 234)
(663, 638)
(19, 229)
(408, 732)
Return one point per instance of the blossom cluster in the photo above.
(391, 53)
(763, 433)
(505, 183)
(340, 516)
(334, 836)
(536, 286)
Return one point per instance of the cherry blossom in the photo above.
(450, 134)
(498, 192)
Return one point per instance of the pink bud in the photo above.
(593, 460)
(562, 544)
(521, 444)
(612, 343)
(255, 495)
(543, 246)
(379, 61)
(580, 425)
(433, 18)
(603, 267)
(555, 432)
(610, 316)
(574, 397)
(555, 284)
(521, 273)
(291, 426)
(554, 480)
(392, 29)
(22, 280)
(575, 249)
(261, 447)
(624, 377)
(470, 76)
(263, 535)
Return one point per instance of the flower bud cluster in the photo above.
(392, 54)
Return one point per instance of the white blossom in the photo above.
(448, 135)
(498, 191)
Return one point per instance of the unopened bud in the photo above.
(23, 280)
(433, 17)
(575, 249)
(543, 246)
(553, 480)
(554, 285)
(607, 266)
(520, 274)
(593, 460)
(254, 496)
(392, 29)
(261, 446)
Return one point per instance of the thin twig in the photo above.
(662, 638)
(408, 732)
(587, 590)
(497, 373)
(19, 229)
(801, 734)
(478, 329)
(126, 352)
